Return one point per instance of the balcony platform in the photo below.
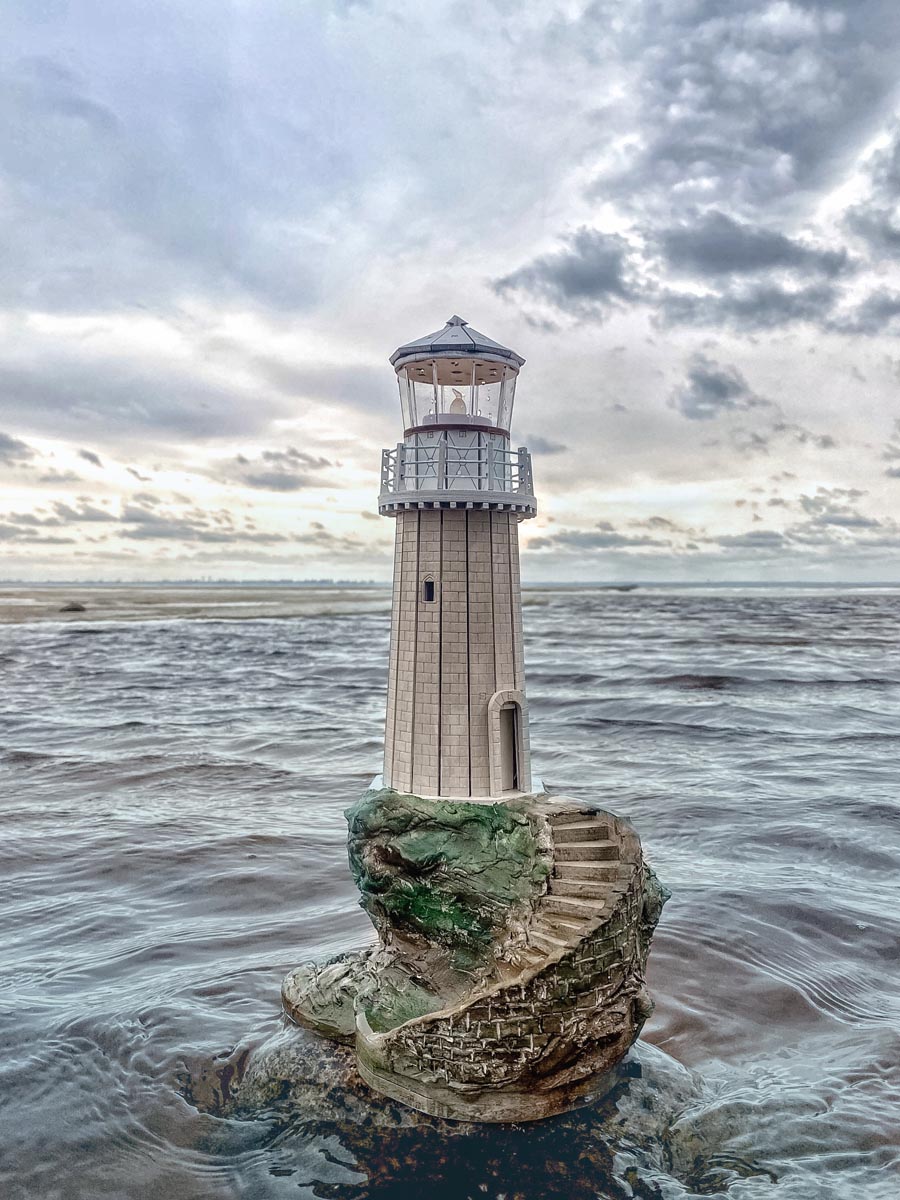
(390, 503)
(447, 474)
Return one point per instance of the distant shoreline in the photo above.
(357, 584)
(88, 604)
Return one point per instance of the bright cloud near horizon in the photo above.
(219, 220)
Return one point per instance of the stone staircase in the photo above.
(576, 980)
(583, 887)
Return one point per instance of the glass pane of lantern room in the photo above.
(424, 399)
(507, 396)
(454, 388)
(487, 401)
(407, 399)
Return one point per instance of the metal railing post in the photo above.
(524, 470)
(400, 468)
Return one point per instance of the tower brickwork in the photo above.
(456, 656)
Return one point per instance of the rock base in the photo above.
(509, 977)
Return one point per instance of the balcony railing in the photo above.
(478, 475)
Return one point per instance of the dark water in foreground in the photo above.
(171, 843)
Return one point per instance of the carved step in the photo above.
(574, 816)
(586, 851)
(532, 955)
(569, 926)
(593, 871)
(548, 942)
(582, 831)
(579, 887)
(572, 906)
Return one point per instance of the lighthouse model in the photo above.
(457, 721)
(513, 926)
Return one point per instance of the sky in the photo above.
(219, 219)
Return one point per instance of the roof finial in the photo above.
(455, 320)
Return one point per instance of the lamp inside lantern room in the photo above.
(444, 392)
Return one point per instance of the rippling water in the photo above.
(172, 842)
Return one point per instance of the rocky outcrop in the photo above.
(510, 969)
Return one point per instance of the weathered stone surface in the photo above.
(496, 993)
(640, 1120)
(326, 998)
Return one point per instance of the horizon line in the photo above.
(387, 583)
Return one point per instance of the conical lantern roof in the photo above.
(457, 337)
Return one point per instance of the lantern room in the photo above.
(456, 377)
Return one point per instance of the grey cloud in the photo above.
(278, 481)
(665, 525)
(59, 477)
(891, 452)
(847, 520)
(603, 537)
(14, 452)
(836, 507)
(757, 539)
(144, 524)
(751, 307)
(146, 520)
(877, 225)
(323, 539)
(590, 274)
(877, 313)
(750, 101)
(711, 389)
(542, 445)
(30, 519)
(717, 244)
(22, 535)
(60, 514)
(804, 436)
(876, 219)
(64, 394)
(288, 470)
(750, 441)
(826, 496)
(743, 108)
(91, 457)
(85, 512)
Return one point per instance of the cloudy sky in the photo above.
(218, 219)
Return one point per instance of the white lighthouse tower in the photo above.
(457, 717)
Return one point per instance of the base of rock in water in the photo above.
(509, 976)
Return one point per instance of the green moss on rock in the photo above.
(442, 871)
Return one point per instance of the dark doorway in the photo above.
(509, 747)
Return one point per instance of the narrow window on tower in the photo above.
(428, 590)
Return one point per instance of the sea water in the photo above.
(174, 765)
